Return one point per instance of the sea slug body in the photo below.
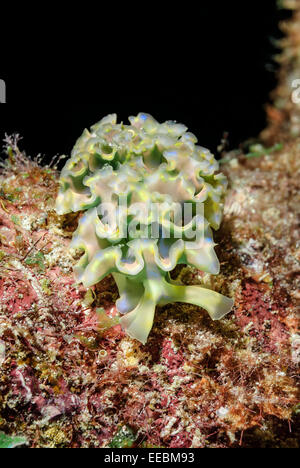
(130, 180)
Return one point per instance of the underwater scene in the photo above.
(150, 259)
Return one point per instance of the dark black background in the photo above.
(208, 65)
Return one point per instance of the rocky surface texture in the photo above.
(69, 376)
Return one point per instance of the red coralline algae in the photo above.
(173, 359)
(16, 295)
(256, 314)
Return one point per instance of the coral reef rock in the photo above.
(69, 375)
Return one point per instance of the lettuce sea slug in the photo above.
(134, 182)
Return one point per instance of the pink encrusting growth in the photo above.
(255, 313)
(69, 375)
